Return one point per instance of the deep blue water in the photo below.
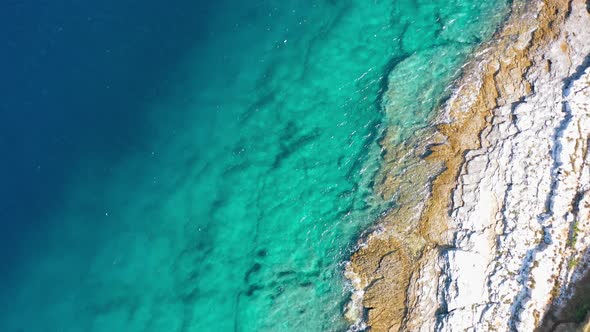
(76, 77)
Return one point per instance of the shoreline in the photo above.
(425, 269)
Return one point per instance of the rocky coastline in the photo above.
(498, 238)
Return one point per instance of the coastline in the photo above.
(490, 245)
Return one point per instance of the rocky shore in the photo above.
(498, 239)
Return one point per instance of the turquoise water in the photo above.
(251, 180)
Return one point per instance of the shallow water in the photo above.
(245, 175)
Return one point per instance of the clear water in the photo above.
(226, 197)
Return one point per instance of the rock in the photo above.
(503, 236)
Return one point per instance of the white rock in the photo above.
(517, 199)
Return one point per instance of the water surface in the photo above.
(207, 167)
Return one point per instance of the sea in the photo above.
(201, 165)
